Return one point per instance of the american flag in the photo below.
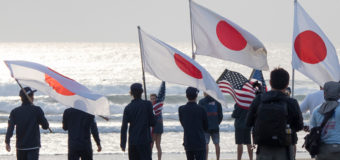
(238, 87)
(258, 76)
(158, 106)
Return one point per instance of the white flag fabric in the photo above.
(313, 54)
(59, 87)
(218, 37)
(168, 64)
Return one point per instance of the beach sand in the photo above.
(231, 156)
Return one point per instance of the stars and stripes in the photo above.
(238, 87)
(158, 106)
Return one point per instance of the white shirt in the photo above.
(311, 101)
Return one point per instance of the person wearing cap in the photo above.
(330, 135)
(194, 121)
(26, 118)
(79, 136)
(139, 114)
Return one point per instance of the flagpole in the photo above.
(29, 98)
(141, 57)
(293, 80)
(192, 40)
(252, 74)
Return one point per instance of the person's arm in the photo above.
(304, 105)
(95, 134)
(297, 124)
(312, 122)
(10, 129)
(152, 117)
(180, 116)
(65, 118)
(220, 113)
(123, 130)
(251, 116)
(42, 119)
(205, 119)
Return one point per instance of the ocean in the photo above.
(109, 69)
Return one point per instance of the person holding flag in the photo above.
(26, 119)
(157, 130)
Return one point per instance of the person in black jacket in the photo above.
(279, 80)
(80, 125)
(139, 113)
(27, 119)
(215, 116)
(194, 121)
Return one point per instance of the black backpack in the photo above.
(270, 124)
(313, 139)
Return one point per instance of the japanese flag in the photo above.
(218, 37)
(168, 64)
(59, 87)
(313, 54)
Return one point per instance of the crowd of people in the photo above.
(271, 123)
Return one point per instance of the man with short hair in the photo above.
(80, 125)
(194, 121)
(215, 116)
(330, 135)
(26, 118)
(273, 115)
(139, 113)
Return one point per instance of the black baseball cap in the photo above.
(191, 91)
(28, 91)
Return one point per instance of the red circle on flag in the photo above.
(230, 37)
(187, 67)
(57, 86)
(310, 47)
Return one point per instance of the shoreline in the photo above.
(165, 156)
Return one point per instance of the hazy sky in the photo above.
(116, 20)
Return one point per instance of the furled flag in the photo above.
(170, 65)
(218, 37)
(313, 54)
(158, 106)
(258, 76)
(59, 87)
(238, 87)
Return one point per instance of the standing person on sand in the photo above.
(26, 118)
(194, 121)
(215, 116)
(139, 113)
(276, 118)
(157, 130)
(80, 125)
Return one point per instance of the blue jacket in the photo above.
(27, 119)
(80, 125)
(214, 113)
(194, 120)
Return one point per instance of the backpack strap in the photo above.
(327, 116)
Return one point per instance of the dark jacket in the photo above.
(240, 116)
(214, 113)
(194, 120)
(139, 113)
(295, 119)
(80, 125)
(27, 119)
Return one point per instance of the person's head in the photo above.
(30, 94)
(331, 91)
(153, 98)
(136, 90)
(279, 79)
(288, 91)
(258, 87)
(191, 93)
